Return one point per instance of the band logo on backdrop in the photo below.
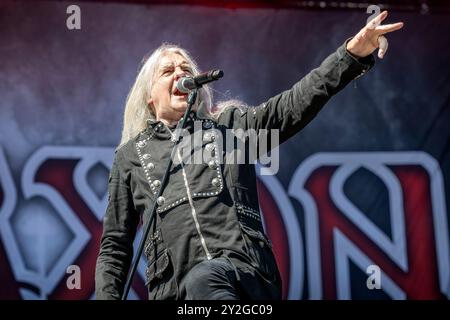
(52, 219)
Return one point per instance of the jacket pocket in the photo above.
(257, 236)
(259, 250)
(156, 268)
(154, 246)
(160, 276)
(250, 218)
(157, 257)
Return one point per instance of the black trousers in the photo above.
(221, 279)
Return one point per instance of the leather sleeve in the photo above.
(119, 229)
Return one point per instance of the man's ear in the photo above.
(150, 105)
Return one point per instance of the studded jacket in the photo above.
(207, 209)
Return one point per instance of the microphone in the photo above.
(188, 83)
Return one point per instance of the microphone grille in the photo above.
(182, 86)
(217, 74)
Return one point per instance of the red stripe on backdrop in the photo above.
(59, 175)
(9, 288)
(421, 281)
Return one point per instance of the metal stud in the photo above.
(213, 164)
(156, 183)
(207, 124)
(215, 182)
(160, 201)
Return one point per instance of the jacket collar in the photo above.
(160, 130)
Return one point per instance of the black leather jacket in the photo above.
(209, 209)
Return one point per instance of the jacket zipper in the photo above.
(191, 203)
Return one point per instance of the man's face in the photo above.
(169, 104)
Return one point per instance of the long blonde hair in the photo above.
(137, 111)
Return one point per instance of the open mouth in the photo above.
(177, 92)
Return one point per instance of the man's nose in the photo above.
(179, 73)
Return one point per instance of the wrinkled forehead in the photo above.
(170, 58)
